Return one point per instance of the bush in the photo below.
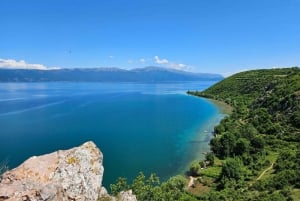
(195, 168)
(210, 157)
(232, 169)
(121, 185)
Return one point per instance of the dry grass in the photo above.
(296, 194)
(198, 189)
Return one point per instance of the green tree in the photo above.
(121, 185)
(210, 157)
(195, 168)
(216, 146)
(174, 189)
(296, 118)
(232, 169)
(219, 129)
(285, 160)
(248, 131)
(151, 190)
(242, 146)
(146, 189)
(228, 141)
(257, 144)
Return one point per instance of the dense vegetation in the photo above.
(151, 189)
(255, 151)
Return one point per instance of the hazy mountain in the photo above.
(147, 74)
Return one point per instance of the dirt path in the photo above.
(266, 170)
(192, 181)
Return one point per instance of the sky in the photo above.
(213, 36)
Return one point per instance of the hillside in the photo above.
(147, 74)
(258, 144)
(272, 95)
(255, 152)
(244, 87)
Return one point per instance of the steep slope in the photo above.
(273, 94)
(259, 142)
(244, 87)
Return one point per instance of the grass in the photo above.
(198, 189)
(205, 182)
(212, 172)
(296, 194)
(218, 161)
(272, 156)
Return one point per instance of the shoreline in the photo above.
(205, 133)
(223, 107)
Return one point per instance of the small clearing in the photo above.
(266, 170)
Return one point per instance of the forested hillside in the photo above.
(255, 152)
(259, 143)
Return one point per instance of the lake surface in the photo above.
(138, 127)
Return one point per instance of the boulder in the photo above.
(74, 174)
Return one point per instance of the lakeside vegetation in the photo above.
(256, 150)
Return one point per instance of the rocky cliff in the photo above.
(74, 174)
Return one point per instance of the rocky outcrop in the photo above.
(71, 175)
(123, 196)
(74, 174)
(127, 196)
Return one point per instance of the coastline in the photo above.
(205, 133)
(223, 107)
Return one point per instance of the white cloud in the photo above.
(21, 64)
(160, 61)
(169, 64)
(177, 66)
(111, 57)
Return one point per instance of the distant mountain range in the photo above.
(147, 74)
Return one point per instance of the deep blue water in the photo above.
(138, 127)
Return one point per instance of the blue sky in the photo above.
(216, 36)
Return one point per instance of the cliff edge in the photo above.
(74, 174)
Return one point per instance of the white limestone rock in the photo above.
(127, 196)
(74, 174)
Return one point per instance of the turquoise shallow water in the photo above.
(138, 127)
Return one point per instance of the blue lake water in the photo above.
(138, 127)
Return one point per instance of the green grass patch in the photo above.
(296, 194)
(218, 162)
(213, 172)
(272, 156)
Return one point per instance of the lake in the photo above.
(154, 128)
